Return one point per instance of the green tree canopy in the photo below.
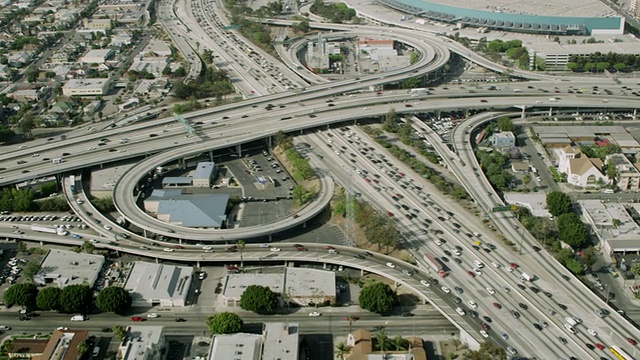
(506, 124)
(113, 299)
(378, 298)
(75, 298)
(558, 203)
(49, 298)
(572, 231)
(21, 294)
(224, 323)
(259, 299)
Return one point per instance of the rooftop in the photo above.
(573, 8)
(157, 281)
(69, 268)
(281, 341)
(242, 346)
(297, 282)
(63, 344)
(623, 237)
(86, 83)
(138, 338)
(191, 210)
(204, 170)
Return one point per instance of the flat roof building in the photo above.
(96, 56)
(613, 225)
(503, 139)
(142, 342)
(303, 286)
(628, 175)
(204, 174)
(153, 284)
(86, 87)
(242, 346)
(63, 268)
(281, 340)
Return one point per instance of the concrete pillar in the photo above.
(522, 114)
(144, 232)
(157, 261)
(210, 155)
(437, 113)
(270, 142)
(270, 238)
(198, 264)
(304, 225)
(239, 150)
(361, 272)
(180, 241)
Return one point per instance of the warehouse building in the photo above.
(204, 174)
(63, 268)
(153, 284)
(189, 210)
(86, 87)
(142, 342)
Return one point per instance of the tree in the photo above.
(180, 72)
(88, 247)
(612, 172)
(240, 245)
(118, 332)
(506, 124)
(558, 203)
(21, 294)
(75, 298)
(399, 343)
(283, 140)
(113, 299)
(30, 269)
(224, 323)
(82, 347)
(526, 179)
(382, 340)
(589, 256)
(342, 349)
(574, 266)
(390, 121)
(48, 298)
(571, 230)
(378, 298)
(259, 299)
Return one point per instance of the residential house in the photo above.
(5, 72)
(19, 59)
(61, 107)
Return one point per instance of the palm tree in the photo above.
(342, 349)
(382, 339)
(240, 245)
(82, 348)
(399, 343)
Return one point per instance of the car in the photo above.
(181, 320)
(487, 319)
(470, 273)
(592, 332)
(407, 272)
(425, 283)
(537, 326)
(512, 350)
(547, 294)
(137, 319)
(391, 265)
(496, 265)
(534, 289)
(274, 249)
(366, 253)
(551, 311)
(458, 290)
(515, 314)
(152, 316)
(446, 289)
(460, 311)
(590, 347)
(457, 300)
(566, 277)
(485, 326)
(631, 341)
(562, 340)
(523, 306)
(497, 305)
(491, 291)
(76, 236)
(477, 271)
(599, 346)
(107, 227)
(472, 304)
(314, 314)
(562, 306)
(521, 287)
(168, 249)
(407, 314)
(484, 333)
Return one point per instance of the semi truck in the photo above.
(434, 263)
(527, 277)
(58, 231)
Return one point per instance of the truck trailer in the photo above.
(434, 263)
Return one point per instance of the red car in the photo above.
(399, 196)
(136, 319)
(232, 268)
(301, 248)
(390, 213)
(513, 265)
(600, 346)
(470, 273)
(631, 341)
(497, 306)
(177, 247)
(328, 247)
(367, 180)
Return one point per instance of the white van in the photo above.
(78, 318)
(96, 351)
(608, 191)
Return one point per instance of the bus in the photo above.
(72, 187)
(620, 354)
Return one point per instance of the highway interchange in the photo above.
(308, 109)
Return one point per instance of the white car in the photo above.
(425, 283)
(391, 265)
(455, 252)
(506, 289)
(460, 311)
(491, 291)
(446, 289)
(94, 241)
(504, 336)
(208, 247)
(477, 271)
(472, 304)
(495, 265)
(484, 334)
(264, 245)
(107, 227)
(168, 249)
(275, 249)
(314, 313)
(438, 242)
(509, 268)
(152, 316)
(592, 332)
(63, 328)
(478, 264)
